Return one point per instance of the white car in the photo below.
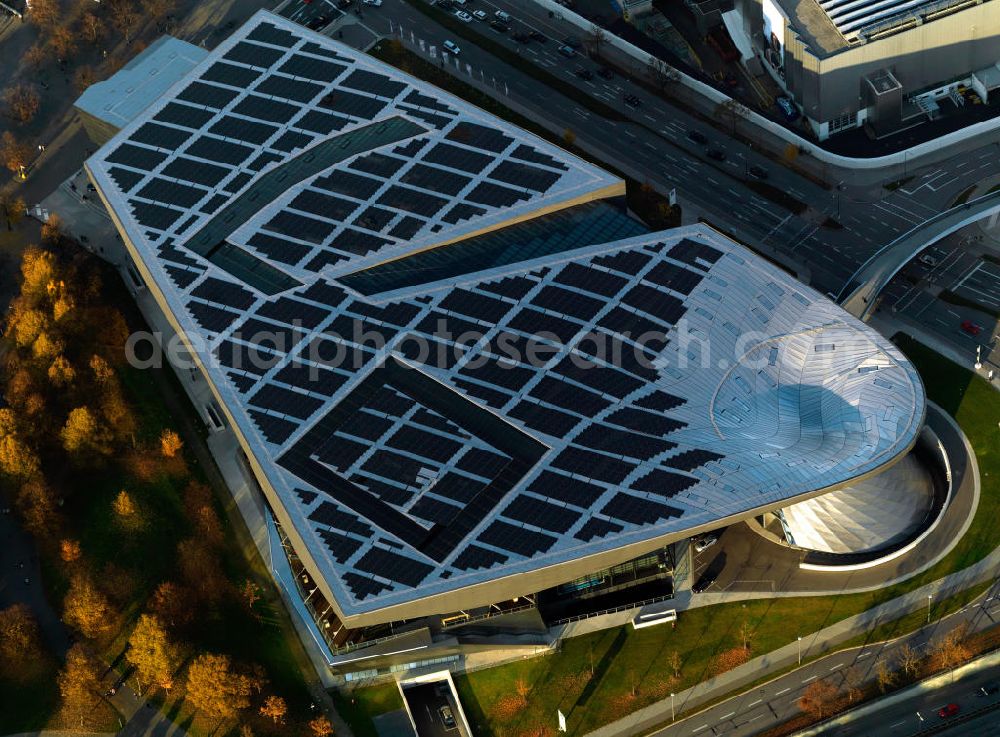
(480, 15)
(373, 3)
(463, 16)
(705, 543)
(451, 47)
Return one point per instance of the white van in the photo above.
(503, 16)
(451, 47)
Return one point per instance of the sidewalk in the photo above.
(818, 643)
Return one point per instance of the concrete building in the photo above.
(475, 396)
(107, 107)
(887, 63)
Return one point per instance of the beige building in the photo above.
(888, 63)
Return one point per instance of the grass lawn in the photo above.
(358, 707)
(629, 666)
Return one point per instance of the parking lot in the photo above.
(314, 14)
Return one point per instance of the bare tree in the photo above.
(951, 650)
(909, 660)
(596, 39)
(854, 679)
(746, 634)
(884, 675)
(661, 73)
(63, 42)
(92, 28)
(674, 661)
(124, 17)
(12, 208)
(45, 13)
(733, 111)
(14, 154)
(36, 56)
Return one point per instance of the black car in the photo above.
(704, 584)
(522, 38)
(317, 22)
(538, 36)
(573, 42)
(758, 172)
(632, 101)
(606, 73)
(584, 74)
(716, 154)
(499, 26)
(987, 690)
(697, 137)
(446, 5)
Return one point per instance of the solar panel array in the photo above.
(518, 415)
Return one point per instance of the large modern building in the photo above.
(461, 373)
(890, 63)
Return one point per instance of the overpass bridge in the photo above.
(860, 295)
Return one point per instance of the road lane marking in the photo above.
(755, 703)
(759, 716)
(838, 665)
(810, 678)
(698, 729)
(784, 690)
(730, 714)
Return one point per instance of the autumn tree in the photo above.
(45, 13)
(158, 10)
(172, 604)
(819, 699)
(126, 511)
(950, 650)
(854, 679)
(19, 636)
(170, 443)
(52, 229)
(201, 511)
(63, 42)
(251, 593)
(36, 56)
(674, 662)
(69, 550)
(84, 77)
(61, 372)
(152, 653)
(38, 507)
(86, 608)
(320, 727)
(79, 682)
(215, 688)
(17, 458)
(12, 208)
(84, 437)
(38, 273)
(15, 153)
(275, 709)
(22, 102)
(199, 567)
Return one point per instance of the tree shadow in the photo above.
(602, 667)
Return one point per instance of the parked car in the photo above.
(582, 73)
(632, 101)
(971, 328)
(522, 38)
(373, 3)
(479, 14)
(704, 543)
(451, 47)
(573, 42)
(716, 154)
(787, 108)
(988, 690)
(502, 16)
(948, 710)
(927, 260)
(606, 72)
(463, 16)
(499, 26)
(317, 22)
(704, 584)
(447, 718)
(538, 36)
(567, 51)
(758, 172)
(697, 137)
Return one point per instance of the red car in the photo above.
(971, 328)
(948, 710)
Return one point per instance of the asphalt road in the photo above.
(777, 701)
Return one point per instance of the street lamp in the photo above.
(800, 649)
(671, 706)
(929, 597)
